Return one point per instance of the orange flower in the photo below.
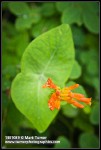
(65, 94)
(50, 84)
(54, 102)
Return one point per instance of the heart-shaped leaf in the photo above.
(49, 55)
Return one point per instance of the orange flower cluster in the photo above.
(65, 94)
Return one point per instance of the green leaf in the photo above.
(64, 143)
(91, 22)
(19, 8)
(44, 25)
(83, 124)
(76, 71)
(94, 116)
(69, 111)
(84, 57)
(49, 55)
(87, 109)
(25, 21)
(61, 6)
(13, 44)
(93, 81)
(92, 67)
(35, 15)
(7, 60)
(17, 43)
(26, 15)
(75, 13)
(87, 57)
(9, 72)
(48, 9)
(71, 15)
(91, 6)
(21, 42)
(88, 140)
(91, 61)
(91, 18)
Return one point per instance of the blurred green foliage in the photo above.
(21, 23)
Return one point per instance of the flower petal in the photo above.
(72, 87)
(75, 103)
(54, 102)
(86, 100)
(76, 95)
(49, 84)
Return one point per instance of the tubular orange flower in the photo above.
(65, 94)
(54, 102)
(50, 84)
